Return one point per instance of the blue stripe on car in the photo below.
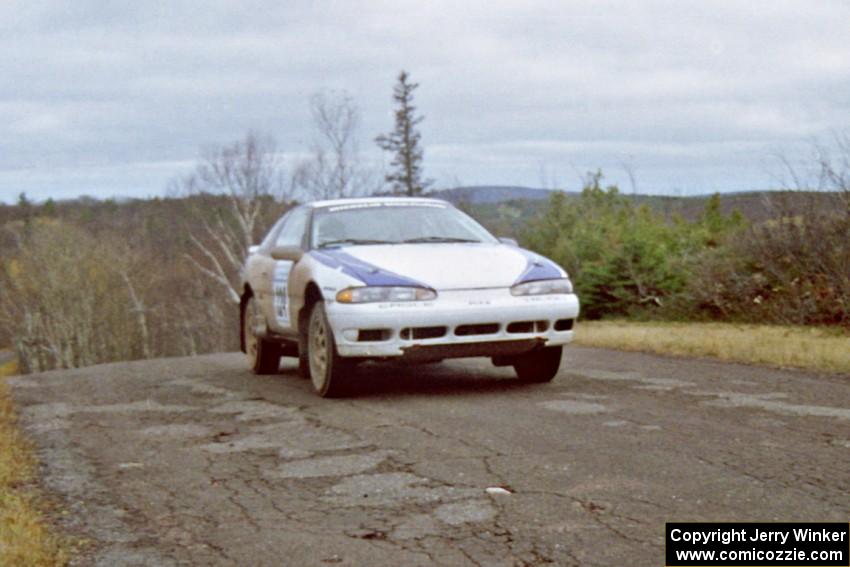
(368, 273)
(538, 268)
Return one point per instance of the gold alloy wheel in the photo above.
(318, 351)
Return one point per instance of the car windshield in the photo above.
(393, 223)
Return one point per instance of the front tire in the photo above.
(263, 355)
(304, 349)
(539, 365)
(328, 371)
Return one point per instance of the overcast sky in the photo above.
(114, 98)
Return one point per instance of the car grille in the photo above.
(478, 329)
(422, 332)
(527, 327)
(436, 332)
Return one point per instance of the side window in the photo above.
(292, 232)
(269, 238)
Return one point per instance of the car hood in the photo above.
(443, 265)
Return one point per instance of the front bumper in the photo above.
(489, 322)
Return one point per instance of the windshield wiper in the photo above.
(438, 239)
(354, 241)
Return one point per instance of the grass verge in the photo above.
(26, 537)
(810, 348)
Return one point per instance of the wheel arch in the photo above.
(312, 295)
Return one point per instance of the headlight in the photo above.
(542, 287)
(377, 294)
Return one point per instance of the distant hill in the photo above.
(481, 194)
(509, 207)
(508, 210)
(757, 206)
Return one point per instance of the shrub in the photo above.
(624, 259)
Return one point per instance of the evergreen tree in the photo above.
(26, 208)
(405, 176)
(49, 208)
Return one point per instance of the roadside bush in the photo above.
(624, 260)
(795, 267)
(794, 270)
(629, 261)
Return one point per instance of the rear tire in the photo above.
(329, 372)
(263, 355)
(539, 365)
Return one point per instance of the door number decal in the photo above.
(280, 293)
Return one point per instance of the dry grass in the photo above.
(800, 347)
(25, 535)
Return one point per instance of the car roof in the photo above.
(375, 200)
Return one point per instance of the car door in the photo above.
(276, 305)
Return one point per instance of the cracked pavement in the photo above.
(196, 461)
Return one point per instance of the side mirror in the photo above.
(509, 241)
(292, 253)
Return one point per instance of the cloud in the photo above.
(693, 94)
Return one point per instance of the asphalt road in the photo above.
(196, 461)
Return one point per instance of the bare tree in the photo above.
(834, 169)
(131, 267)
(334, 168)
(248, 175)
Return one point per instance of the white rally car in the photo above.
(337, 282)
